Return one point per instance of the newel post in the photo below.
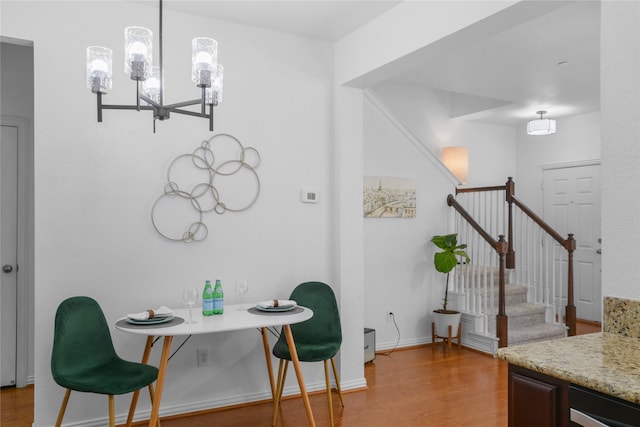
(502, 321)
(510, 191)
(570, 314)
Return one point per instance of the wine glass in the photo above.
(242, 287)
(190, 297)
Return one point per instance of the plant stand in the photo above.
(447, 340)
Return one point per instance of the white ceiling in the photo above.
(548, 63)
(327, 20)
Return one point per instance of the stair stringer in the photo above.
(473, 336)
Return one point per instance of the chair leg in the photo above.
(112, 411)
(63, 407)
(282, 373)
(328, 382)
(284, 378)
(152, 398)
(335, 375)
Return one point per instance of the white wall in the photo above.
(399, 273)
(407, 33)
(620, 106)
(577, 140)
(95, 184)
(426, 113)
(16, 98)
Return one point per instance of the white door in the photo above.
(8, 252)
(572, 205)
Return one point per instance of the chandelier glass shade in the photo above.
(204, 58)
(206, 73)
(99, 69)
(138, 52)
(541, 126)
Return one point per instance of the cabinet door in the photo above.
(531, 402)
(536, 400)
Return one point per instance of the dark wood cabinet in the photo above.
(537, 400)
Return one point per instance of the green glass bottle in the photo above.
(207, 299)
(218, 298)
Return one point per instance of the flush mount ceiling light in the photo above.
(541, 126)
(206, 73)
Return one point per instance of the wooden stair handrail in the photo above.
(501, 247)
(546, 227)
(451, 201)
(478, 189)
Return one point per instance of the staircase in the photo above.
(516, 290)
(527, 321)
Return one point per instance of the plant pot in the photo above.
(445, 318)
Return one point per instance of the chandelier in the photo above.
(206, 73)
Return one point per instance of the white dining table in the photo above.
(233, 319)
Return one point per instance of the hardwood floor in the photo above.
(420, 386)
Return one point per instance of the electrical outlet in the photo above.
(203, 357)
(390, 314)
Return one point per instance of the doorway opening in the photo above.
(17, 213)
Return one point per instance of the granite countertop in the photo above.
(606, 362)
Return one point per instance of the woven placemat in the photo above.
(254, 310)
(122, 323)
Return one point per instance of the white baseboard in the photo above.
(145, 414)
(402, 343)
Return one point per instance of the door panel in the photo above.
(8, 252)
(572, 205)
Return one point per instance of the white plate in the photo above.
(154, 321)
(281, 308)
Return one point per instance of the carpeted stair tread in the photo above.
(539, 332)
(526, 321)
(524, 309)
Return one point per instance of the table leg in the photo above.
(267, 355)
(136, 394)
(162, 370)
(296, 365)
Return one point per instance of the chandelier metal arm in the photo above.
(160, 112)
(183, 104)
(126, 107)
(196, 114)
(190, 113)
(102, 106)
(149, 101)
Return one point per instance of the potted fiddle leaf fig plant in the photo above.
(444, 262)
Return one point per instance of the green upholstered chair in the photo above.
(317, 339)
(83, 357)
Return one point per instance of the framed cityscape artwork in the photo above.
(389, 197)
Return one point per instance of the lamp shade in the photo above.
(138, 48)
(204, 57)
(151, 87)
(541, 127)
(99, 69)
(456, 159)
(214, 93)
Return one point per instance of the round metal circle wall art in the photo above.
(191, 182)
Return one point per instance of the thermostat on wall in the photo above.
(309, 195)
